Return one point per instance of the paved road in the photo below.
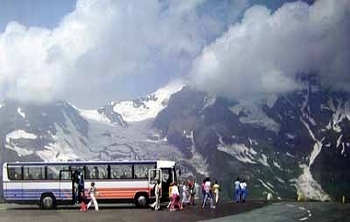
(294, 211)
(256, 211)
(14, 213)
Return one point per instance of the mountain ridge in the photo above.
(281, 144)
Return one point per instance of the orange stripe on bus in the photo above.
(106, 193)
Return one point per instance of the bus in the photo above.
(49, 184)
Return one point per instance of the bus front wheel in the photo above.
(47, 201)
(141, 200)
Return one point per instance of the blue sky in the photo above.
(48, 14)
(94, 51)
(34, 12)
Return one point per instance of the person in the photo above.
(175, 197)
(216, 189)
(80, 185)
(185, 195)
(207, 189)
(170, 194)
(83, 206)
(76, 193)
(157, 194)
(93, 193)
(237, 190)
(192, 187)
(243, 186)
(203, 191)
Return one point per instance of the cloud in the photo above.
(105, 48)
(264, 52)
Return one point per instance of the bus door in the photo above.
(66, 185)
(153, 176)
(166, 179)
(78, 183)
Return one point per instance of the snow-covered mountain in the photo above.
(297, 143)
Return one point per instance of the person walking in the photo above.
(157, 194)
(93, 193)
(243, 186)
(216, 189)
(192, 188)
(170, 194)
(203, 191)
(185, 195)
(175, 197)
(237, 190)
(208, 195)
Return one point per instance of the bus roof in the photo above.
(160, 163)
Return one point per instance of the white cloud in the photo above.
(265, 51)
(101, 42)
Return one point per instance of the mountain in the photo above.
(286, 145)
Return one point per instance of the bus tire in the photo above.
(141, 200)
(47, 201)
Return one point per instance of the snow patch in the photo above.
(271, 100)
(308, 187)
(315, 151)
(20, 112)
(290, 136)
(280, 180)
(277, 165)
(267, 186)
(197, 160)
(340, 112)
(134, 111)
(239, 151)
(94, 115)
(254, 115)
(18, 134)
(242, 153)
(208, 101)
(339, 140)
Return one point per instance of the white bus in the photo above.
(49, 184)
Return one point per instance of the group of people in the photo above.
(187, 195)
(93, 193)
(210, 193)
(240, 190)
(184, 195)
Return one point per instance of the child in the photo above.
(170, 194)
(216, 189)
(93, 193)
(83, 206)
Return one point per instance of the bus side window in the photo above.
(15, 172)
(53, 172)
(121, 171)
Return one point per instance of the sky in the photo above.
(92, 52)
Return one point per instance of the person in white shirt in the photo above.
(175, 197)
(207, 189)
(185, 195)
(237, 190)
(243, 186)
(93, 193)
(157, 193)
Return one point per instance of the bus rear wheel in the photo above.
(141, 200)
(47, 201)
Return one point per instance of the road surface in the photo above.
(257, 211)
